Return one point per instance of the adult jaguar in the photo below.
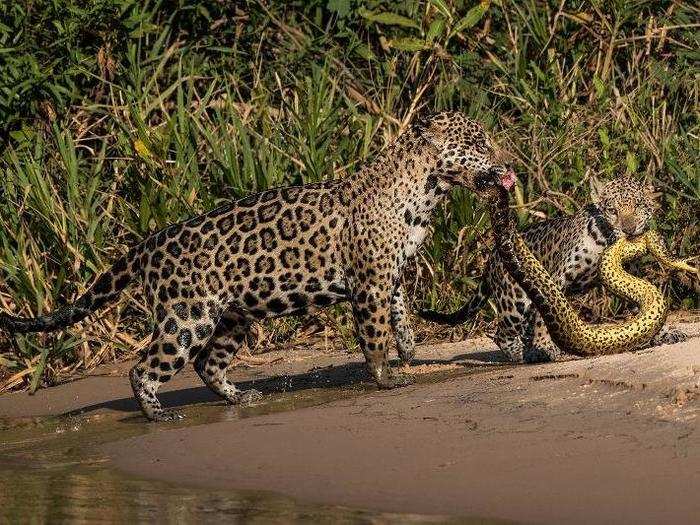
(566, 329)
(287, 251)
(570, 248)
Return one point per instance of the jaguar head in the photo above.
(627, 204)
(466, 154)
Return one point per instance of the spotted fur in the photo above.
(564, 325)
(290, 251)
(570, 249)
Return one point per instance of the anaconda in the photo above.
(565, 326)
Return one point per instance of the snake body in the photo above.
(565, 326)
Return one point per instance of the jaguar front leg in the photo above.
(668, 336)
(372, 314)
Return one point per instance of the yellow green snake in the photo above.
(565, 326)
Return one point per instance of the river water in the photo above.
(51, 470)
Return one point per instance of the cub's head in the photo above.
(466, 155)
(626, 203)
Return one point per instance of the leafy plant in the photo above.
(118, 117)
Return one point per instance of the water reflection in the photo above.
(50, 471)
(89, 493)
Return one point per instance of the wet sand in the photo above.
(610, 439)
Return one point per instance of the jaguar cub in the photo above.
(288, 251)
(570, 249)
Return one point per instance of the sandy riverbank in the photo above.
(611, 439)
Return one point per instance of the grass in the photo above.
(118, 117)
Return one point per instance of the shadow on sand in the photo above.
(333, 376)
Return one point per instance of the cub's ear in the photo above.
(596, 188)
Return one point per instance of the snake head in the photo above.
(490, 181)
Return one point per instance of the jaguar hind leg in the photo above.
(509, 341)
(212, 362)
(173, 343)
(539, 347)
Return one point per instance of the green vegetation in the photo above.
(118, 117)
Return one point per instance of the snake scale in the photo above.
(565, 326)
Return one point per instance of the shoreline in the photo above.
(613, 438)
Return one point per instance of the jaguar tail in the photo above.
(106, 289)
(467, 312)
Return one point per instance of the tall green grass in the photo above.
(118, 117)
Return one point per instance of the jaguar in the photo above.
(287, 251)
(563, 324)
(570, 249)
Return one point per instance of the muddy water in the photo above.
(50, 471)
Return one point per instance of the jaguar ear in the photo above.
(425, 128)
(653, 195)
(596, 188)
